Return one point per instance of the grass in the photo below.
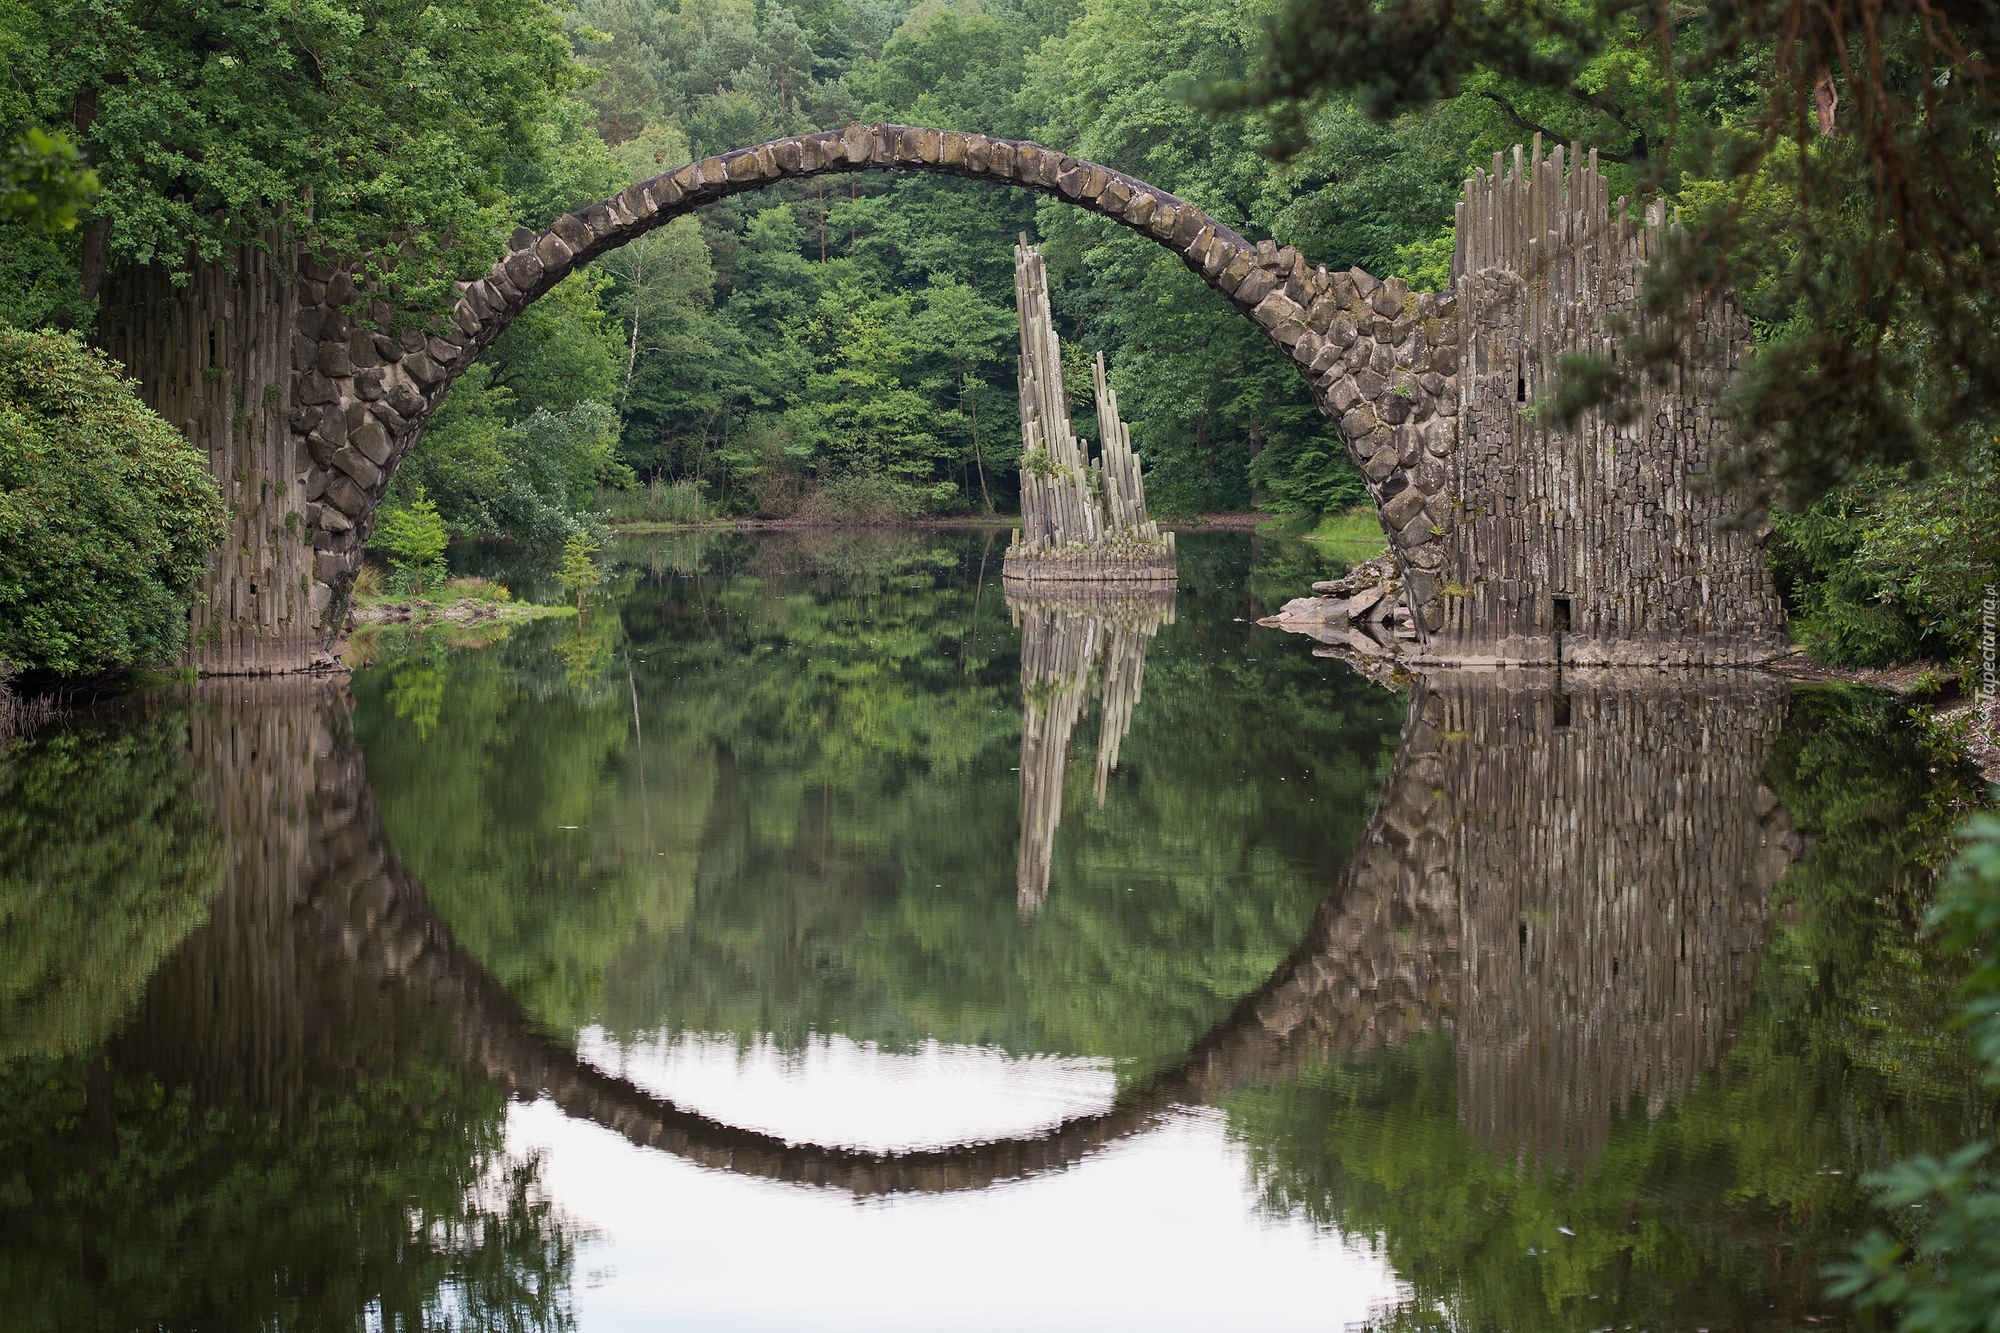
(663, 503)
(1351, 537)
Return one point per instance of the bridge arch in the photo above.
(1381, 360)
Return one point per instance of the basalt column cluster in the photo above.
(1081, 521)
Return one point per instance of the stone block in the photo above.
(554, 252)
(368, 384)
(332, 567)
(1140, 210)
(332, 360)
(1409, 447)
(1364, 282)
(1344, 395)
(1276, 309)
(1400, 510)
(1440, 435)
(1394, 407)
(1356, 423)
(403, 395)
(344, 495)
(1417, 531)
(315, 389)
(422, 369)
(372, 439)
(365, 473)
(1256, 285)
(524, 270)
(1388, 298)
(633, 205)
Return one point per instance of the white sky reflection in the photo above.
(1160, 1231)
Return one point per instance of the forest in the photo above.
(843, 350)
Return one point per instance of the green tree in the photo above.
(579, 573)
(107, 514)
(412, 535)
(400, 121)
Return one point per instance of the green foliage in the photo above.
(396, 1195)
(412, 535)
(44, 182)
(1890, 567)
(579, 573)
(107, 860)
(107, 515)
(404, 123)
(1947, 1278)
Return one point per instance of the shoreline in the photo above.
(1218, 522)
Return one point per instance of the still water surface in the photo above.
(813, 936)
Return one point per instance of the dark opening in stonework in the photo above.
(1562, 615)
(1561, 714)
(1520, 387)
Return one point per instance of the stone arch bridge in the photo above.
(1515, 542)
(1574, 884)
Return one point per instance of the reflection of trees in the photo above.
(273, 1139)
(107, 859)
(826, 755)
(1071, 644)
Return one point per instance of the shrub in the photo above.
(869, 497)
(478, 590)
(107, 513)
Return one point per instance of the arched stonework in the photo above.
(1380, 359)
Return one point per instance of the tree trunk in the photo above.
(972, 403)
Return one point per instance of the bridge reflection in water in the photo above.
(1571, 878)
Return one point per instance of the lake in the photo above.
(812, 935)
